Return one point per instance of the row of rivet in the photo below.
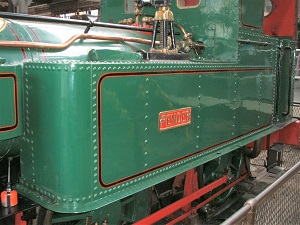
(136, 66)
(94, 127)
(262, 36)
(155, 173)
(275, 118)
(28, 133)
(235, 101)
(31, 188)
(199, 111)
(146, 140)
(259, 97)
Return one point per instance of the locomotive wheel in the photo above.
(230, 164)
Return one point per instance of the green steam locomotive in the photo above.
(107, 122)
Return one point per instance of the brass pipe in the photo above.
(181, 28)
(39, 45)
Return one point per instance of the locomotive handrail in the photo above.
(248, 41)
(289, 83)
(40, 45)
(79, 22)
(70, 21)
(249, 207)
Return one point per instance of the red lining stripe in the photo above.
(38, 39)
(18, 39)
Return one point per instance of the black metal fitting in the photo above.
(153, 3)
(160, 3)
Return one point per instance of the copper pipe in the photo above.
(26, 44)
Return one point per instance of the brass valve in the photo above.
(163, 19)
(164, 13)
(128, 21)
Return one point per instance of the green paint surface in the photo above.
(89, 113)
(7, 102)
(11, 104)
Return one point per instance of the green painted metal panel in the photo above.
(256, 102)
(114, 55)
(262, 51)
(286, 59)
(11, 103)
(252, 13)
(94, 120)
(221, 110)
(7, 101)
(58, 138)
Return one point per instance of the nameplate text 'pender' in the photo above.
(174, 118)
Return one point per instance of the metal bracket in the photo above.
(164, 56)
(274, 158)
